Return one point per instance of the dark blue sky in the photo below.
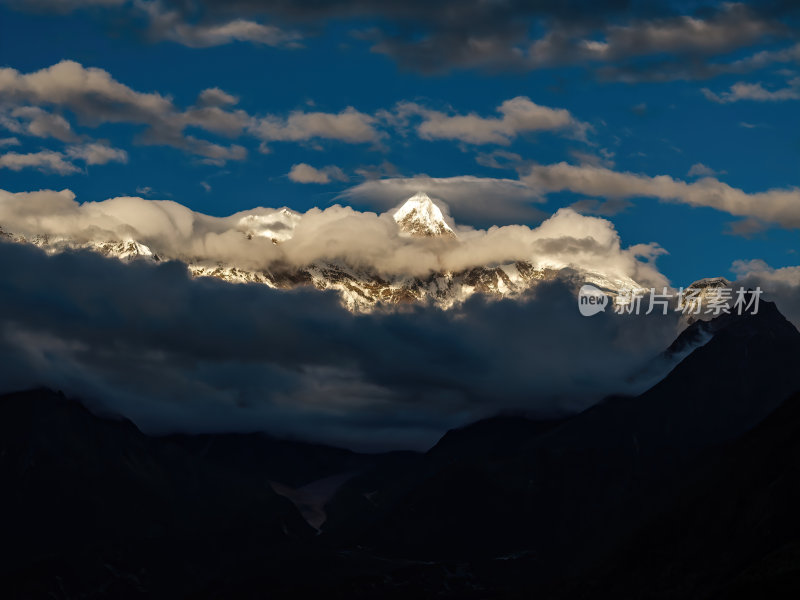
(667, 88)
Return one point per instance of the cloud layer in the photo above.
(778, 206)
(782, 285)
(40, 104)
(518, 116)
(620, 40)
(246, 357)
(362, 240)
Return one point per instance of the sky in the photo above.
(657, 141)
(358, 91)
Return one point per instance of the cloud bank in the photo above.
(518, 116)
(779, 206)
(781, 285)
(661, 41)
(180, 354)
(363, 240)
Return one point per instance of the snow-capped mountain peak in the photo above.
(419, 216)
(123, 250)
(710, 283)
(362, 288)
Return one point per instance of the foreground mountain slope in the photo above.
(688, 490)
(570, 491)
(735, 534)
(92, 505)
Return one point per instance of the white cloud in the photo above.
(756, 92)
(749, 268)
(684, 39)
(780, 206)
(170, 25)
(336, 233)
(735, 25)
(701, 170)
(95, 97)
(781, 285)
(39, 103)
(305, 173)
(349, 125)
(49, 161)
(9, 141)
(121, 333)
(45, 161)
(216, 97)
(764, 58)
(31, 120)
(518, 116)
(97, 153)
(89, 92)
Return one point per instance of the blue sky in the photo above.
(747, 136)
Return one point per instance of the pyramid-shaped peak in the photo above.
(710, 282)
(420, 216)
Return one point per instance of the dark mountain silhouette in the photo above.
(688, 490)
(572, 490)
(735, 534)
(92, 505)
(293, 463)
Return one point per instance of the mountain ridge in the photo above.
(361, 289)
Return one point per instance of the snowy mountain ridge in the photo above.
(360, 289)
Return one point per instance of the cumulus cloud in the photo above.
(49, 161)
(45, 161)
(780, 206)
(756, 92)
(621, 40)
(293, 362)
(9, 141)
(732, 26)
(305, 173)
(349, 126)
(97, 153)
(95, 98)
(170, 25)
(765, 58)
(518, 116)
(31, 120)
(90, 93)
(786, 275)
(781, 285)
(701, 170)
(336, 234)
(216, 97)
